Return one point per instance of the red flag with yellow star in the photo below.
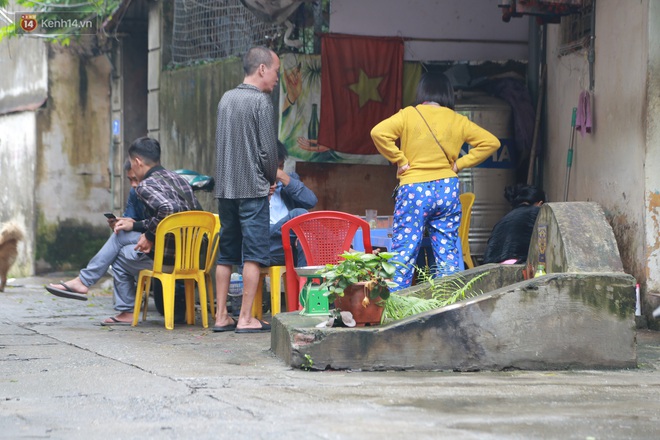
(361, 84)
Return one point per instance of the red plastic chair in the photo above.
(323, 236)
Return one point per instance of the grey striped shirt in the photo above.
(245, 143)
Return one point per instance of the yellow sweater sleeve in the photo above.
(385, 134)
(483, 143)
(419, 149)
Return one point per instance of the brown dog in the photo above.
(10, 234)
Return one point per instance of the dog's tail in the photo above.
(11, 231)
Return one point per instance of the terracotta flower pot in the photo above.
(352, 302)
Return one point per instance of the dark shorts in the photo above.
(244, 231)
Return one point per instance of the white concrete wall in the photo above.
(17, 172)
(609, 164)
(73, 180)
(475, 27)
(23, 86)
(24, 78)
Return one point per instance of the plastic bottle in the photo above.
(540, 271)
(235, 293)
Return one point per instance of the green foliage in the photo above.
(61, 10)
(444, 291)
(69, 244)
(308, 364)
(374, 269)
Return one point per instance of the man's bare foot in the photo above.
(74, 286)
(224, 324)
(69, 289)
(252, 325)
(124, 318)
(224, 321)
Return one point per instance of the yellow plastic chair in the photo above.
(187, 229)
(275, 274)
(209, 274)
(467, 201)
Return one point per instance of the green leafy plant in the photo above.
(442, 291)
(308, 363)
(374, 269)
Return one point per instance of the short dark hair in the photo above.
(519, 194)
(435, 87)
(255, 57)
(146, 148)
(127, 164)
(282, 154)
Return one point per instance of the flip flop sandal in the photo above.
(225, 328)
(67, 292)
(264, 328)
(114, 321)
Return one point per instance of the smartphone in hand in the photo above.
(109, 215)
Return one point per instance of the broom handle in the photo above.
(569, 155)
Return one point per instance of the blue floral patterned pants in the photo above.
(434, 206)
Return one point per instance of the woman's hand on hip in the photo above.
(402, 169)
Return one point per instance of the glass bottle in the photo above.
(313, 127)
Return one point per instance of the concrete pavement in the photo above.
(63, 376)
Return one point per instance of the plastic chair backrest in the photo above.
(214, 245)
(467, 201)
(188, 230)
(323, 236)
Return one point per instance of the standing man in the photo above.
(246, 167)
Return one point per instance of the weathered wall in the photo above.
(609, 164)
(437, 30)
(72, 184)
(188, 105)
(24, 79)
(17, 166)
(23, 88)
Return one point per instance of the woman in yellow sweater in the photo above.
(431, 135)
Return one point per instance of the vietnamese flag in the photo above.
(361, 84)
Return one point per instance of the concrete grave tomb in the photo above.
(579, 315)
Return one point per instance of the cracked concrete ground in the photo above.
(63, 376)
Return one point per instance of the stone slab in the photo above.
(559, 321)
(574, 237)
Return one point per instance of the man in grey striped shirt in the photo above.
(246, 167)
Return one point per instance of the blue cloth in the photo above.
(134, 207)
(297, 195)
(276, 246)
(245, 225)
(298, 199)
(119, 251)
(432, 206)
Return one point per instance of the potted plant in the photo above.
(360, 284)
